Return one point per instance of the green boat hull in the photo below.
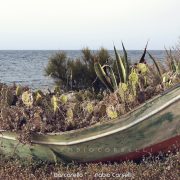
(152, 127)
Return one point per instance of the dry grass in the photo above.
(166, 167)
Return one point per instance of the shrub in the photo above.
(76, 73)
(57, 68)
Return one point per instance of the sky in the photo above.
(75, 24)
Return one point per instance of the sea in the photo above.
(26, 67)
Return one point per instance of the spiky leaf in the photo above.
(102, 76)
(19, 90)
(111, 76)
(142, 60)
(120, 66)
(156, 64)
(126, 62)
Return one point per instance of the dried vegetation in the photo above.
(159, 167)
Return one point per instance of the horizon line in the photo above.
(77, 49)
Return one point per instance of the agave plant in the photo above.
(172, 74)
(173, 62)
(108, 80)
(156, 65)
(107, 76)
(142, 60)
(122, 65)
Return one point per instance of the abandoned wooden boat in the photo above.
(152, 127)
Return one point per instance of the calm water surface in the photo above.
(27, 67)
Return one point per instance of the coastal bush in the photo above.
(57, 68)
(73, 74)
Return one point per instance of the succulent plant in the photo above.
(19, 91)
(55, 103)
(142, 59)
(131, 98)
(133, 80)
(123, 88)
(38, 97)
(89, 107)
(111, 112)
(69, 114)
(142, 68)
(102, 75)
(107, 76)
(63, 99)
(123, 74)
(133, 77)
(173, 61)
(167, 79)
(27, 98)
(157, 67)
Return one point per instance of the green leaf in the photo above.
(126, 62)
(102, 76)
(120, 67)
(112, 76)
(142, 60)
(156, 64)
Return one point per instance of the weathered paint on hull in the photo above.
(126, 138)
(170, 145)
